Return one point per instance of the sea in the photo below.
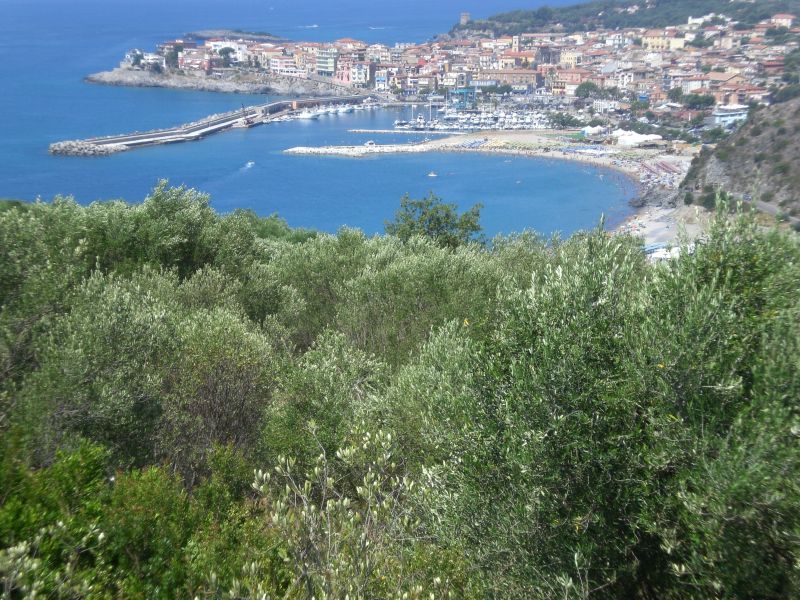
(49, 46)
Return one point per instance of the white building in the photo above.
(728, 115)
(326, 61)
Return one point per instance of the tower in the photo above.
(465, 18)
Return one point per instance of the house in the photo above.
(195, 59)
(662, 40)
(285, 65)
(362, 74)
(509, 76)
(782, 20)
(695, 84)
(728, 115)
(571, 58)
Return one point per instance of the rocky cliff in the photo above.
(761, 161)
(249, 83)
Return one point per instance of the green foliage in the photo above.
(102, 367)
(534, 418)
(350, 526)
(319, 401)
(675, 94)
(8, 204)
(564, 121)
(786, 93)
(216, 390)
(587, 90)
(611, 14)
(433, 218)
(698, 101)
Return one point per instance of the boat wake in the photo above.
(315, 26)
(248, 165)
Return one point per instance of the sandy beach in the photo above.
(648, 169)
(667, 225)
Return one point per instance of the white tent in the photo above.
(631, 138)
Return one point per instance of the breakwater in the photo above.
(244, 117)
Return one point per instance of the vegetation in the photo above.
(613, 14)
(431, 218)
(8, 204)
(698, 101)
(205, 406)
(758, 161)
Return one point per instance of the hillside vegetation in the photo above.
(196, 405)
(613, 14)
(760, 161)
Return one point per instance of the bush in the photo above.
(547, 418)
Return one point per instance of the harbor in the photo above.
(649, 168)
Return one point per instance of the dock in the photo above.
(245, 117)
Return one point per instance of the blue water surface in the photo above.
(50, 45)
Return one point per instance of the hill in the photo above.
(613, 14)
(760, 161)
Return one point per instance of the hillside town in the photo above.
(709, 63)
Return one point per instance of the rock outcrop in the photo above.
(247, 83)
(760, 162)
(79, 148)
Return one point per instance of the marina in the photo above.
(449, 120)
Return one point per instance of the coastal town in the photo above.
(643, 102)
(709, 67)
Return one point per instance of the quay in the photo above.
(244, 117)
(406, 131)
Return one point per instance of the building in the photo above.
(194, 59)
(604, 106)
(662, 40)
(782, 20)
(326, 61)
(455, 79)
(465, 18)
(571, 58)
(362, 74)
(509, 76)
(285, 65)
(729, 115)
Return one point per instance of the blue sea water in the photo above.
(48, 46)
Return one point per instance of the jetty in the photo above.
(248, 116)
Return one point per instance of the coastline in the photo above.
(256, 84)
(655, 175)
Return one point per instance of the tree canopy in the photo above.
(430, 217)
(216, 406)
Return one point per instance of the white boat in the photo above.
(307, 114)
(432, 174)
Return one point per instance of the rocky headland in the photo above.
(247, 83)
(256, 36)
